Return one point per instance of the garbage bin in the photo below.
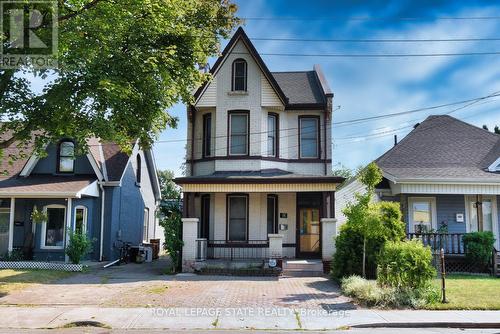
(155, 244)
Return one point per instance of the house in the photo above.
(258, 181)
(446, 175)
(109, 195)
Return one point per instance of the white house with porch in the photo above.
(259, 181)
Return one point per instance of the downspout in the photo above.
(101, 241)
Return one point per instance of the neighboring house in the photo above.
(106, 193)
(258, 171)
(446, 175)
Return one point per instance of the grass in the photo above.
(13, 280)
(470, 292)
(157, 290)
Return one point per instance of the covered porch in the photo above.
(243, 220)
(69, 205)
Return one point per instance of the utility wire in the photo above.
(378, 40)
(375, 55)
(367, 18)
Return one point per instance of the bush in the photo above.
(79, 246)
(479, 247)
(369, 293)
(172, 228)
(405, 265)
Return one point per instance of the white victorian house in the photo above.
(258, 181)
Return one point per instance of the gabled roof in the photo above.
(443, 148)
(295, 89)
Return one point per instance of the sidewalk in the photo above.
(239, 318)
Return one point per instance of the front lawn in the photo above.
(11, 280)
(468, 292)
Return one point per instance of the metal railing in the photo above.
(236, 250)
(452, 243)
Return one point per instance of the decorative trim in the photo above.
(258, 188)
(270, 180)
(495, 166)
(260, 157)
(41, 265)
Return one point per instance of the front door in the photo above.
(488, 211)
(4, 230)
(309, 233)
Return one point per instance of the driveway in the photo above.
(143, 285)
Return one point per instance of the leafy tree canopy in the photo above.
(122, 64)
(169, 190)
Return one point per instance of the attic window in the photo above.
(66, 152)
(239, 79)
(138, 170)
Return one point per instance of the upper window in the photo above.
(145, 232)
(207, 135)
(272, 214)
(272, 135)
(81, 219)
(238, 130)
(138, 169)
(239, 75)
(309, 137)
(66, 152)
(237, 217)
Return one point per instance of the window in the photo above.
(81, 219)
(66, 153)
(272, 214)
(138, 169)
(238, 129)
(422, 214)
(239, 75)
(237, 213)
(207, 135)
(145, 231)
(205, 217)
(309, 137)
(272, 135)
(53, 228)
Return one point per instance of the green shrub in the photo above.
(172, 227)
(369, 293)
(479, 247)
(348, 257)
(405, 265)
(79, 246)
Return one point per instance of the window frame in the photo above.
(433, 208)
(318, 136)
(228, 218)
(207, 136)
(233, 75)
(229, 137)
(59, 156)
(43, 233)
(276, 134)
(276, 209)
(85, 218)
(138, 169)
(145, 225)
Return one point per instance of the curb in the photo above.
(468, 325)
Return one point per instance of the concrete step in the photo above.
(301, 268)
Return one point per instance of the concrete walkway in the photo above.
(239, 318)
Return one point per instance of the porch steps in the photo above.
(302, 268)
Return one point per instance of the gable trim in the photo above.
(96, 169)
(495, 166)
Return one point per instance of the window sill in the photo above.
(237, 93)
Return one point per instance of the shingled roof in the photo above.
(300, 87)
(443, 148)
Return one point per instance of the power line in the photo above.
(367, 18)
(375, 55)
(377, 40)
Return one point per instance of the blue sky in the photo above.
(366, 87)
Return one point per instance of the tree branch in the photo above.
(88, 6)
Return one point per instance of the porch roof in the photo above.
(258, 181)
(49, 186)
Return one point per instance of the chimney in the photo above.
(395, 140)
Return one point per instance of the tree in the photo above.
(343, 171)
(122, 64)
(169, 190)
(495, 130)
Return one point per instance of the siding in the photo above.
(268, 95)
(209, 97)
(344, 196)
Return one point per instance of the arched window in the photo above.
(138, 169)
(66, 157)
(239, 77)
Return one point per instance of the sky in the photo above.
(368, 87)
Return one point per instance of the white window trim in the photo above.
(318, 144)
(145, 224)
(495, 167)
(432, 201)
(275, 130)
(85, 218)
(233, 74)
(494, 209)
(44, 227)
(247, 144)
(247, 200)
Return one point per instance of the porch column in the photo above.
(329, 232)
(12, 215)
(189, 236)
(275, 246)
(68, 226)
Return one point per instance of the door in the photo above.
(487, 210)
(309, 232)
(4, 230)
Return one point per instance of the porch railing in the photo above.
(232, 250)
(452, 243)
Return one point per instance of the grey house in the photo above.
(446, 175)
(107, 194)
